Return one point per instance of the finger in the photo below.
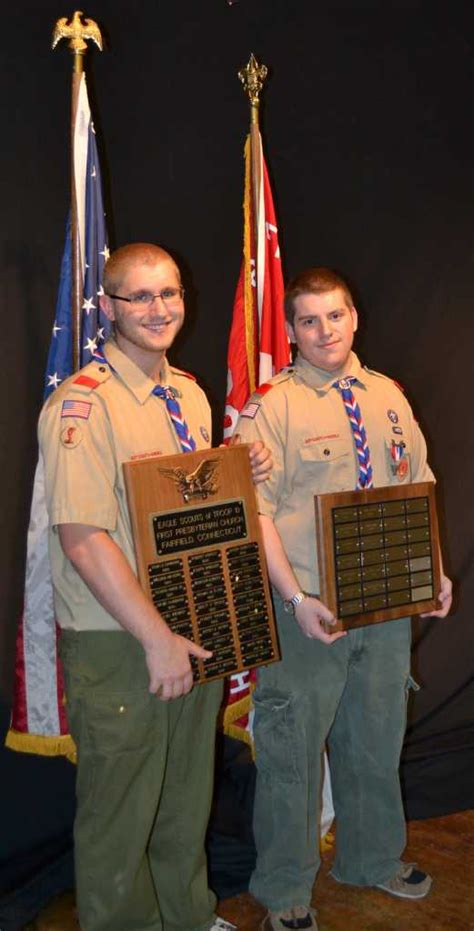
(235, 439)
(163, 693)
(257, 452)
(198, 651)
(188, 683)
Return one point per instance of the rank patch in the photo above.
(73, 408)
(392, 415)
(71, 437)
(204, 434)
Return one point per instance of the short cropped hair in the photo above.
(136, 253)
(317, 280)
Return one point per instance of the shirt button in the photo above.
(102, 368)
(327, 452)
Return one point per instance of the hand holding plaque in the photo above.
(200, 555)
(378, 553)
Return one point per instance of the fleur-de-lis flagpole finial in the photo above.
(252, 77)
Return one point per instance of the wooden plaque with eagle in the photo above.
(200, 555)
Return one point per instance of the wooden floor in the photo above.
(442, 846)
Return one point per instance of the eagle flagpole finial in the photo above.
(77, 32)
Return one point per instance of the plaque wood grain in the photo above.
(200, 555)
(378, 553)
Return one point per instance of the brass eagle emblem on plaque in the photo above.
(198, 484)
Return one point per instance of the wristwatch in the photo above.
(291, 604)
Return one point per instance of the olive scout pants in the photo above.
(352, 694)
(144, 786)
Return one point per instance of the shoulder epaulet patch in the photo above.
(91, 377)
(182, 372)
(398, 385)
(85, 380)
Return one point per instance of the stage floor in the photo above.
(442, 846)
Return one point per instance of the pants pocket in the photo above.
(276, 739)
(117, 722)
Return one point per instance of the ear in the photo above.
(106, 305)
(290, 331)
(355, 319)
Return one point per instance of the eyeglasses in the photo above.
(169, 296)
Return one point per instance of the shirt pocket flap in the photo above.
(324, 450)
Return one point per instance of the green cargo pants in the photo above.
(144, 786)
(353, 694)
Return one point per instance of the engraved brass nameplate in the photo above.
(200, 554)
(378, 553)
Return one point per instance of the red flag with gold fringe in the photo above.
(258, 347)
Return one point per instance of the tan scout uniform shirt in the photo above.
(303, 421)
(114, 418)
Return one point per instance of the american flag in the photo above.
(39, 722)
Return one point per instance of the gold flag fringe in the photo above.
(43, 746)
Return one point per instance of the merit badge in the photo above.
(392, 415)
(397, 430)
(71, 437)
(204, 434)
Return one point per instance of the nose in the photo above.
(325, 328)
(158, 304)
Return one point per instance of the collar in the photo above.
(136, 380)
(321, 380)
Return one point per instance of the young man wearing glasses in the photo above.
(145, 737)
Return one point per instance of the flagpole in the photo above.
(252, 78)
(77, 32)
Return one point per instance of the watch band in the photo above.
(291, 603)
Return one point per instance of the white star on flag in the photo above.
(100, 334)
(56, 328)
(105, 252)
(53, 380)
(91, 346)
(100, 292)
(88, 305)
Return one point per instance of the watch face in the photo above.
(289, 607)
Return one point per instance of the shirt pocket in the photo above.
(326, 465)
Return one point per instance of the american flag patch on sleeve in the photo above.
(80, 409)
(250, 410)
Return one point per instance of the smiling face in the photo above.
(145, 333)
(323, 329)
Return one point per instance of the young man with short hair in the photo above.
(145, 737)
(349, 689)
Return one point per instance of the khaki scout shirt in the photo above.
(303, 421)
(95, 421)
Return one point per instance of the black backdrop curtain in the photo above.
(367, 132)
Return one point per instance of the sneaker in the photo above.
(300, 917)
(409, 883)
(221, 925)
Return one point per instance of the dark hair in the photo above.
(314, 281)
